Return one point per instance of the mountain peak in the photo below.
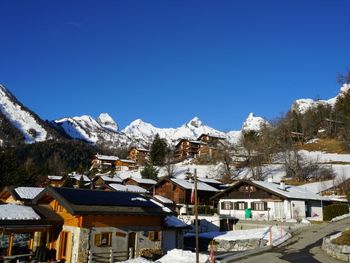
(106, 121)
(195, 122)
(253, 123)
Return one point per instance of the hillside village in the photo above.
(139, 202)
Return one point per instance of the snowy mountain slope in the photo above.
(101, 130)
(253, 123)
(303, 105)
(25, 121)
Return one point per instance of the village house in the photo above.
(96, 222)
(138, 155)
(104, 161)
(55, 180)
(79, 178)
(127, 188)
(19, 195)
(103, 181)
(187, 149)
(125, 164)
(179, 191)
(269, 201)
(211, 146)
(142, 182)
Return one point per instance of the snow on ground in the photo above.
(17, 212)
(136, 260)
(338, 218)
(278, 235)
(323, 157)
(178, 255)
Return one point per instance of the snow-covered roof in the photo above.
(163, 199)
(127, 161)
(200, 185)
(55, 177)
(317, 187)
(78, 176)
(174, 222)
(290, 192)
(128, 188)
(17, 212)
(28, 192)
(143, 180)
(114, 179)
(107, 157)
(209, 180)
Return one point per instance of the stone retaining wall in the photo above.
(238, 245)
(336, 251)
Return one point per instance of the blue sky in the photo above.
(168, 61)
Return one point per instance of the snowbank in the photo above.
(178, 255)
(338, 218)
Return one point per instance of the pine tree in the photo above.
(149, 172)
(158, 151)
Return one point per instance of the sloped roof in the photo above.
(142, 180)
(163, 199)
(209, 180)
(113, 179)
(28, 192)
(128, 188)
(87, 201)
(107, 157)
(189, 185)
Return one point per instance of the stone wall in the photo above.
(239, 245)
(336, 251)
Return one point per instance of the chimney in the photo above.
(282, 185)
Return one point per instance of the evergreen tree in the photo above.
(158, 151)
(68, 182)
(149, 172)
(81, 182)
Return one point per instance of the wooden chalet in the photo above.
(211, 139)
(187, 149)
(138, 155)
(96, 222)
(179, 191)
(125, 164)
(19, 195)
(103, 181)
(269, 201)
(211, 147)
(104, 161)
(142, 182)
(55, 180)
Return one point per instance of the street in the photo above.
(304, 246)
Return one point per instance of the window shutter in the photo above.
(97, 239)
(252, 206)
(151, 235)
(235, 205)
(265, 206)
(222, 205)
(231, 205)
(245, 205)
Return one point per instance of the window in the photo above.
(103, 239)
(241, 205)
(154, 235)
(226, 205)
(259, 206)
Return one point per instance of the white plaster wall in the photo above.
(316, 209)
(75, 235)
(298, 209)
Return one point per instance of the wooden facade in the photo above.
(138, 155)
(187, 149)
(125, 163)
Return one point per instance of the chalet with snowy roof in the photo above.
(125, 164)
(19, 195)
(77, 178)
(269, 201)
(96, 222)
(212, 182)
(187, 149)
(103, 181)
(55, 180)
(25, 229)
(179, 191)
(104, 161)
(211, 139)
(142, 182)
(138, 155)
(127, 188)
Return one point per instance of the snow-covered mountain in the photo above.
(101, 130)
(303, 105)
(18, 123)
(253, 123)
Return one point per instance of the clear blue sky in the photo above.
(168, 61)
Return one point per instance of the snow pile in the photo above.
(178, 255)
(253, 123)
(17, 212)
(28, 192)
(21, 118)
(136, 260)
(338, 218)
(106, 121)
(278, 235)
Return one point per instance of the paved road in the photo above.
(304, 247)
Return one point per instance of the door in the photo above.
(169, 240)
(131, 244)
(279, 210)
(65, 246)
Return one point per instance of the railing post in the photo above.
(111, 256)
(90, 257)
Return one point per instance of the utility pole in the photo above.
(196, 214)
